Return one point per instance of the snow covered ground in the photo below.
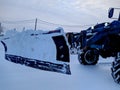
(19, 77)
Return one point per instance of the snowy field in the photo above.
(18, 77)
(73, 16)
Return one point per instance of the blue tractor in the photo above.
(102, 40)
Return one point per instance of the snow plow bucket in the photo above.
(44, 50)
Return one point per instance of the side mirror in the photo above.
(110, 12)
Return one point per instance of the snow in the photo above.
(32, 44)
(19, 77)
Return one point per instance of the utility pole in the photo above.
(1, 30)
(0, 25)
(35, 23)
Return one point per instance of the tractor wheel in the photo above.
(89, 57)
(116, 70)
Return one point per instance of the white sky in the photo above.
(78, 12)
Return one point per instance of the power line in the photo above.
(64, 24)
(20, 21)
(43, 22)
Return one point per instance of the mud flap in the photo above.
(31, 49)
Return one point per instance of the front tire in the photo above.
(89, 57)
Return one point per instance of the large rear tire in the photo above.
(115, 70)
(89, 57)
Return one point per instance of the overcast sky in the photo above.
(57, 11)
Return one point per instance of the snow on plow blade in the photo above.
(45, 50)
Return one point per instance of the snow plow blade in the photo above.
(44, 50)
